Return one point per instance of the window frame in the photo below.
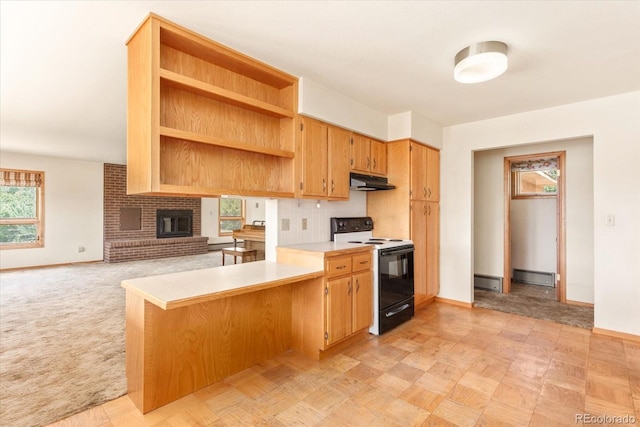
(221, 218)
(516, 194)
(38, 221)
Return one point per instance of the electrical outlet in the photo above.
(284, 224)
(304, 223)
(80, 248)
(611, 220)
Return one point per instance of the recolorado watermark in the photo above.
(605, 419)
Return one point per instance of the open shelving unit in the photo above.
(204, 119)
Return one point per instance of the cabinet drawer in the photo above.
(338, 266)
(361, 262)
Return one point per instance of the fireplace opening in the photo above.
(174, 223)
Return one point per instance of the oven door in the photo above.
(395, 275)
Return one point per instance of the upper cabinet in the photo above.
(425, 176)
(322, 159)
(203, 119)
(368, 156)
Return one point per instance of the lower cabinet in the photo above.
(349, 298)
(338, 309)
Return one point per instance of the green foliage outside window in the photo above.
(18, 203)
(231, 215)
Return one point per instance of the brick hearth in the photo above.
(132, 245)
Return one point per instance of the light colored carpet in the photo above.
(539, 308)
(62, 336)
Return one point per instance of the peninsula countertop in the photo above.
(180, 289)
(324, 247)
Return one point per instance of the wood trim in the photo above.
(506, 282)
(580, 303)
(454, 302)
(34, 267)
(616, 334)
(424, 303)
(561, 292)
(561, 221)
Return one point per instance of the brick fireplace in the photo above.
(130, 222)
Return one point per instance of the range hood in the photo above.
(369, 183)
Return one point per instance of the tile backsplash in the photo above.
(316, 214)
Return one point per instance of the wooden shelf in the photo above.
(219, 94)
(182, 190)
(204, 119)
(220, 142)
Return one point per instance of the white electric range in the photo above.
(393, 289)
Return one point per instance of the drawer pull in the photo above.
(341, 267)
(364, 262)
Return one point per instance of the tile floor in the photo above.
(533, 290)
(447, 366)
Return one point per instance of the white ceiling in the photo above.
(63, 63)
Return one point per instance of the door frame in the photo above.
(561, 277)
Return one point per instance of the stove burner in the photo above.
(371, 243)
(395, 240)
(376, 239)
(354, 241)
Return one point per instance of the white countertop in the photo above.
(189, 287)
(327, 246)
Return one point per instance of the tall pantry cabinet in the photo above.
(412, 210)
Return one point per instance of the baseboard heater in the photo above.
(530, 277)
(488, 283)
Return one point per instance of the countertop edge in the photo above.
(168, 305)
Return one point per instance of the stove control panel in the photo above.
(351, 225)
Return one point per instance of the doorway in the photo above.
(538, 178)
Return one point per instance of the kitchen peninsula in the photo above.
(187, 330)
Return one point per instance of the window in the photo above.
(21, 209)
(535, 178)
(231, 215)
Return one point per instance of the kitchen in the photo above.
(459, 257)
(297, 157)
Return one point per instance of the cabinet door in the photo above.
(339, 155)
(378, 157)
(433, 248)
(362, 300)
(314, 158)
(419, 237)
(360, 151)
(433, 175)
(339, 309)
(418, 171)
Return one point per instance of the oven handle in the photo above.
(398, 250)
(396, 311)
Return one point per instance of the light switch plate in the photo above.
(304, 223)
(284, 224)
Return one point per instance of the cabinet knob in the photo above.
(374, 164)
(350, 288)
(368, 162)
(357, 285)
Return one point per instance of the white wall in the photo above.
(74, 210)
(324, 104)
(613, 123)
(533, 235)
(412, 125)
(489, 211)
(255, 211)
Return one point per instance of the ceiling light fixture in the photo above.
(480, 62)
